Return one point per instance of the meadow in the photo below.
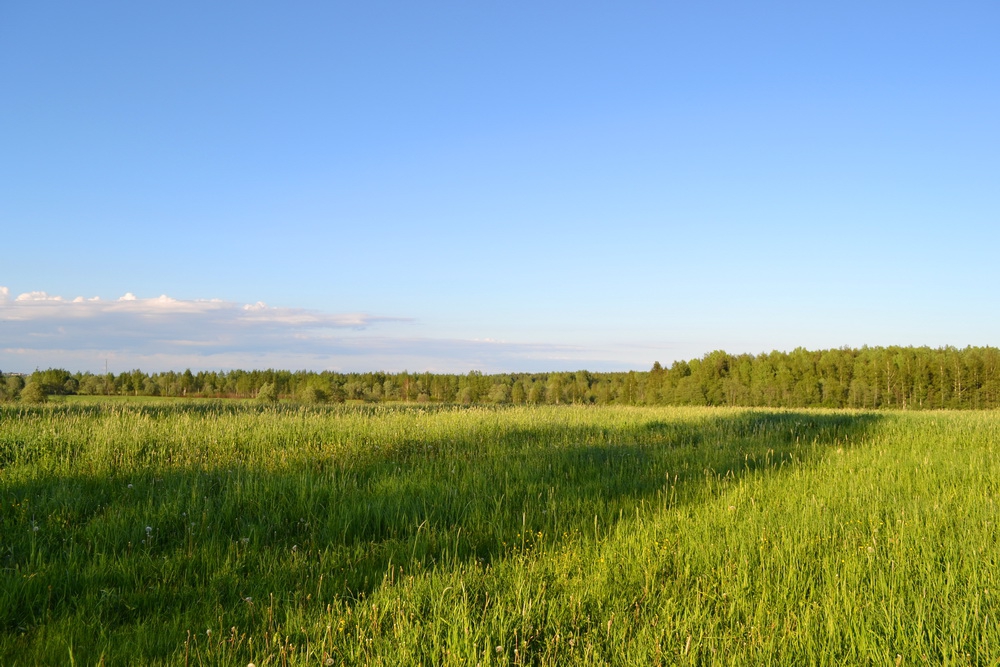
(231, 533)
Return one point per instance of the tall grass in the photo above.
(227, 534)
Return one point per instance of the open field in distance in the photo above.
(205, 533)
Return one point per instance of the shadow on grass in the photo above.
(334, 528)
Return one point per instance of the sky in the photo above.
(495, 186)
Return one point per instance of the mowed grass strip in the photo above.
(228, 533)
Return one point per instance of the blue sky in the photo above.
(496, 186)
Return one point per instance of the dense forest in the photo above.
(869, 377)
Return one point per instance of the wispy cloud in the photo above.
(42, 307)
(82, 333)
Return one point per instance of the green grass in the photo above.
(227, 533)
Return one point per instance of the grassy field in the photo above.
(228, 533)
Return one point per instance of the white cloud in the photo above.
(42, 307)
(37, 296)
(164, 333)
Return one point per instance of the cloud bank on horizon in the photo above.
(163, 333)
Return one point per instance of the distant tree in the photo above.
(406, 386)
(554, 389)
(500, 393)
(187, 382)
(34, 392)
(267, 393)
(337, 394)
(55, 381)
(312, 395)
(601, 391)
(579, 387)
(387, 389)
(138, 380)
(353, 390)
(654, 384)
(517, 393)
(631, 393)
(478, 385)
(15, 383)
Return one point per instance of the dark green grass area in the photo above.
(227, 533)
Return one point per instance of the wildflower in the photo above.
(130, 486)
(149, 529)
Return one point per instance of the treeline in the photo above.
(877, 377)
